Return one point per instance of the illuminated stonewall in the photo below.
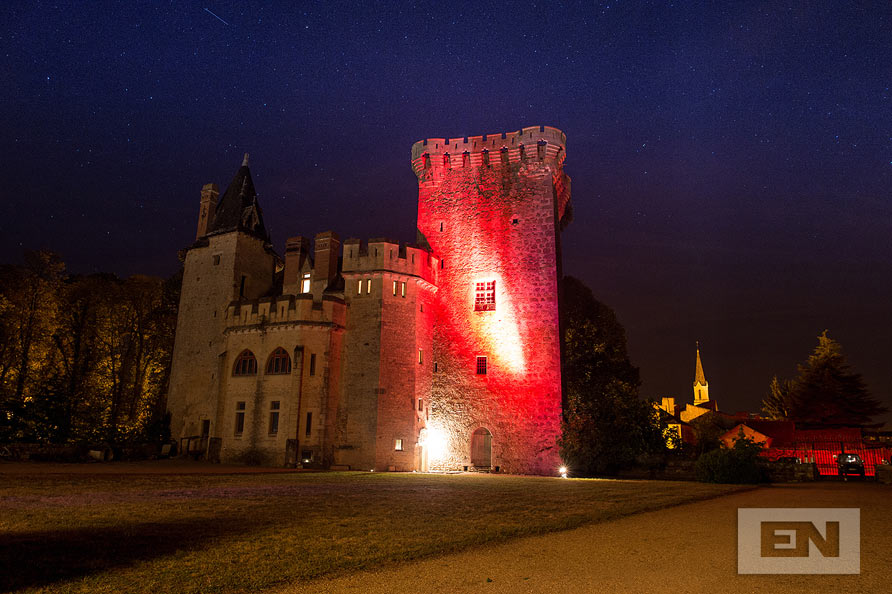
(443, 355)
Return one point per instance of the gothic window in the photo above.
(279, 362)
(481, 365)
(245, 364)
(485, 296)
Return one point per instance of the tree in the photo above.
(605, 426)
(826, 392)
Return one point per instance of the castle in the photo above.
(443, 355)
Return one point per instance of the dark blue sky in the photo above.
(731, 162)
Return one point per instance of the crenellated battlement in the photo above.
(284, 310)
(527, 145)
(383, 255)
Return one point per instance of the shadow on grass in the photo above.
(36, 559)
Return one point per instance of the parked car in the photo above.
(850, 464)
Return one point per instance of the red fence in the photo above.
(824, 454)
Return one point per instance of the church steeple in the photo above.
(701, 388)
(238, 210)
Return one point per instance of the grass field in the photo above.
(163, 528)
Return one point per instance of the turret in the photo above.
(207, 206)
(328, 246)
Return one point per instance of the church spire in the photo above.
(701, 388)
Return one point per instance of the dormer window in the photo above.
(305, 283)
(485, 296)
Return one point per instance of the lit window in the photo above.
(485, 296)
(273, 417)
(368, 286)
(403, 289)
(399, 445)
(279, 362)
(481, 365)
(359, 287)
(245, 364)
(239, 417)
(395, 283)
(305, 283)
(420, 356)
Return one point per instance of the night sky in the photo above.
(731, 165)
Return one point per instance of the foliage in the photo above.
(826, 392)
(83, 358)
(605, 426)
(738, 465)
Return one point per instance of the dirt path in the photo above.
(689, 548)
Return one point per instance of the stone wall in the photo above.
(496, 222)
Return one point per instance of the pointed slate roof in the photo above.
(238, 210)
(699, 376)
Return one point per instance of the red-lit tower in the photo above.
(492, 207)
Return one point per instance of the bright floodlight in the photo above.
(563, 471)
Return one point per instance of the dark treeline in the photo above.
(83, 358)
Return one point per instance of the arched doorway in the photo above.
(481, 448)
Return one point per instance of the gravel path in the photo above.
(689, 548)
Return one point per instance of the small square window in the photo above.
(481, 365)
(485, 296)
(399, 445)
(515, 221)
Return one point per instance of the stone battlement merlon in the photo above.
(388, 256)
(284, 309)
(492, 149)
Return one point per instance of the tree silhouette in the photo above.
(826, 392)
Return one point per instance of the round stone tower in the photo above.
(492, 208)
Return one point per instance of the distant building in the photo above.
(377, 355)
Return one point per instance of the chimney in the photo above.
(328, 246)
(297, 250)
(208, 204)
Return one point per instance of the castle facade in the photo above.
(372, 355)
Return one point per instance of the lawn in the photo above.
(163, 528)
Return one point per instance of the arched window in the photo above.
(278, 363)
(245, 364)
